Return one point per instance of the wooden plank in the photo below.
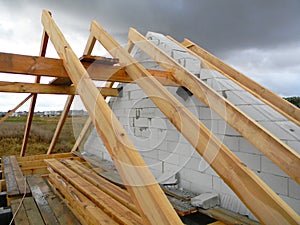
(15, 109)
(20, 87)
(61, 123)
(109, 205)
(82, 135)
(227, 217)
(86, 211)
(236, 175)
(278, 152)
(61, 211)
(40, 191)
(112, 190)
(44, 156)
(41, 162)
(34, 65)
(32, 212)
(43, 48)
(10, 180)
(217, 223)
(35, 170)
(88, 123)
(31, 65)
(2, 185)
(18, 208)
(150, 199)
(276, 102)
(20, 179)
(182, 208)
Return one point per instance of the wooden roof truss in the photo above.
(72, 77)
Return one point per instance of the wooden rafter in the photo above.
(43, 48)
(238, 177)
(20, 87)
(15, 109)
(276, 102)
(280, 153)
(150, 199)
(40, 66)
(88, 123)
(61, 123)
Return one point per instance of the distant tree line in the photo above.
(294, 100)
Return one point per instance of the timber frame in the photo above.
(74, 76)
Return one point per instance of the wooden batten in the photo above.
(280, 153)
(238, 177)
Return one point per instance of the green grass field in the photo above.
(42, 130)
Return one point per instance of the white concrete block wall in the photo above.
(167, 152)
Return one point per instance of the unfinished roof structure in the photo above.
(95, 200)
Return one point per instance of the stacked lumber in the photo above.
(93, 199)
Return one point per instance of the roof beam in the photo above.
(15, 109)
(130, 164)
(280, 153)
(238, 177)
(44, 44)
(40, 66)
(20, 87)
(276, 102)
(61, 123)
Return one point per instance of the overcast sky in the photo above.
(259, 38)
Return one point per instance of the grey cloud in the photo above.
(227, 28)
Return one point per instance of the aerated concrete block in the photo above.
(206, 200)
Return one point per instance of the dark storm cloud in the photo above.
(260, 37)
(217, 25)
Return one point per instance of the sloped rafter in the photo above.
(281, 154)
(238, 177)
(280, 105)
(15, 109)
(43, 48)
(150, 199)
(79, 140)
(61, 123)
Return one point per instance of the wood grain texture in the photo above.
(276, 102)
(276, 150)
(149, 198)
(239, 178)
(40, 66)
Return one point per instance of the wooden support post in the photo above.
(33, 99)
(29, 120)
(15, 109)
(61, 123)
(280, 153)
(82, 134)
(238, 177)
(276, 102)
(149, 198)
